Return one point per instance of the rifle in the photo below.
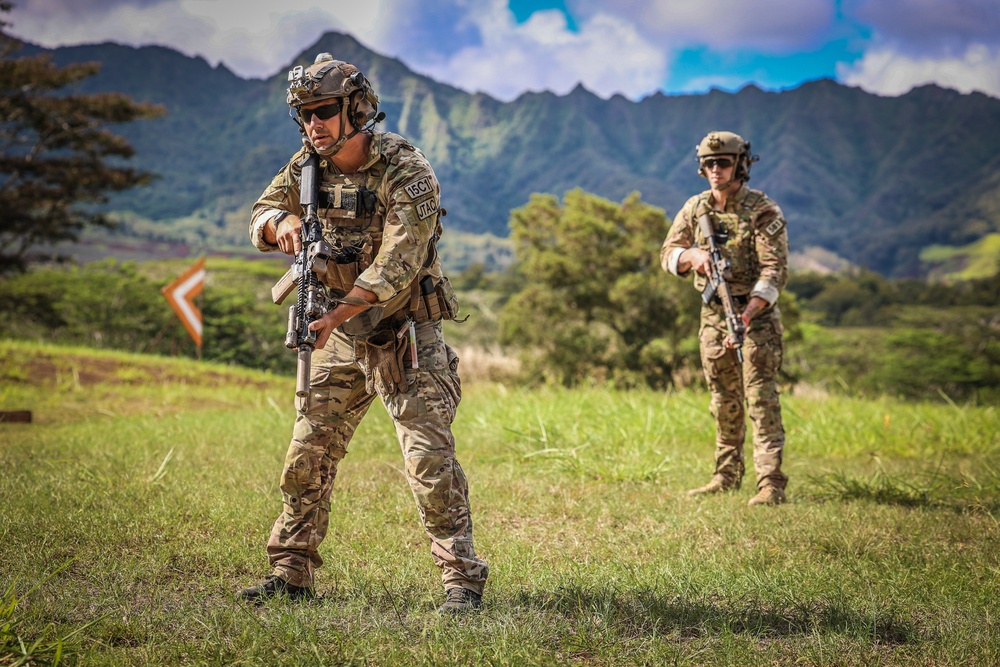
(308, 266)
(721, 271)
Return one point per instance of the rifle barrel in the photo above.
(302, 371)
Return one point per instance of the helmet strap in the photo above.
(723, 187)
(344, 137)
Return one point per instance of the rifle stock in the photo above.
(717, 286)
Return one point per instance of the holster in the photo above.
(430, 300)
(381, 358)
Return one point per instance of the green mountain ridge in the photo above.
(872, 179)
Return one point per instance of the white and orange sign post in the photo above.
(181, 293)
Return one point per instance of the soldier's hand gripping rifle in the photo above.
(717, 285)
(309, 265)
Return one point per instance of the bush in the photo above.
(595, 303)
(117, 306)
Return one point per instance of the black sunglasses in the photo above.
(325, 112)
(721, 162)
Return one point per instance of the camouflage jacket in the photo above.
(756, 241)
(394, 245)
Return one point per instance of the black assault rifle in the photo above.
(722, 271)
(309, 265)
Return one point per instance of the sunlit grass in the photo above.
(144, 522)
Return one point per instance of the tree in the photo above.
(57, 156)
(596, 302)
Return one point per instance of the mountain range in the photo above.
(872, 180)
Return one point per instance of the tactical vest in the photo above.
(351, 209)
(735, 235)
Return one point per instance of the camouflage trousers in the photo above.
(752, 386)
(422, 416)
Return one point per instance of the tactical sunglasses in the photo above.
(325, 112)
(720, 162)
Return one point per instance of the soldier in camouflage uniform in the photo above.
(751, 233)
(379, 205)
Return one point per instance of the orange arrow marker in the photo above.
(181, 293)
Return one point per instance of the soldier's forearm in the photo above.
(683, 262)
(754, 306)
(267, 232)
(358, 300)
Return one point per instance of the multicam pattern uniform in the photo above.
(397, 248)
(757, 246)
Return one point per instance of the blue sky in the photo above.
(629, 47)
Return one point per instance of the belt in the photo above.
(739, 301)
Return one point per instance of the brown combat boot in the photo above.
(273, 587)
(717, 485)
(460, 600)
(769, 495)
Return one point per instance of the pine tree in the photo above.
(58, 159)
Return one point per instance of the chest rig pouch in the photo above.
(353, 229)
(734, 234)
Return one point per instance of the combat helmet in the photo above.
(727, 143)
(328, 79)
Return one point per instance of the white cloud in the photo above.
(618, 47)
(770, 25)
(253, 38)
(889, 72)
(921, 25)
(607, 55)
(473, 44)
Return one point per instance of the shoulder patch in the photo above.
(427, 207)
(418, 188)
(776, 226)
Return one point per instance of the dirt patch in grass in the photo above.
(67, 385)
(89, 371)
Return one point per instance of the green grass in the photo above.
(129, 520)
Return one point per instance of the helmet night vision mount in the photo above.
(328, 79)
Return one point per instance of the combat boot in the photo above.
(460, 600)
(717, 485)
(272, 587)
(769, 495)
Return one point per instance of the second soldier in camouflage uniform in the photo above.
(379, 205)
(752, 234)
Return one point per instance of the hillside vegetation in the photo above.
(874, 180)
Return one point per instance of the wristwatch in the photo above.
(278, 218)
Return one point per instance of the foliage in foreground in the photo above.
(158, 503)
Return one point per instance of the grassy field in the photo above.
(139, 501)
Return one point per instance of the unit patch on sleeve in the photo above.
(419, 188)
(427, 208)
(775, 226)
